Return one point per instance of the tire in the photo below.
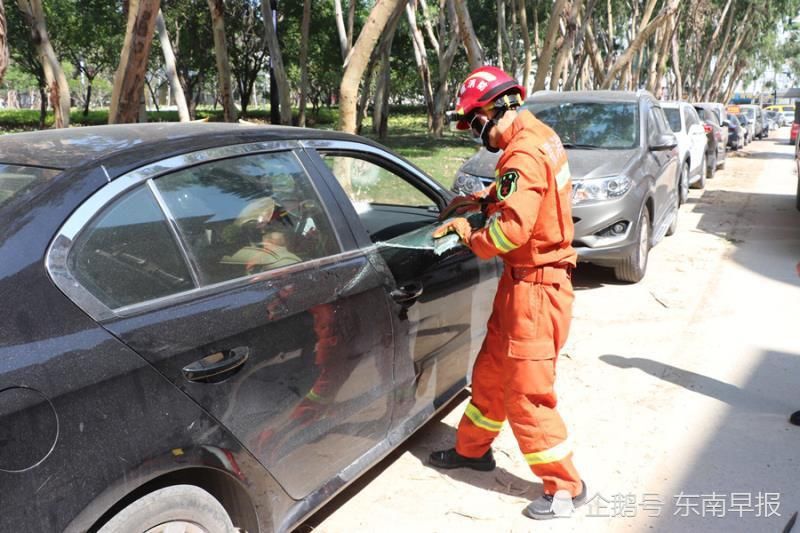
(683, 183)
(673, 227)
(711, 166)
(701, 183)
(633, 267)
(180, 505)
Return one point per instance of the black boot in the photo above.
(542, 507)
(452, 459)
(795, 418)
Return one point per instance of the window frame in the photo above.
(56, 258)
(405, 169)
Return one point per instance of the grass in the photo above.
(407, 136)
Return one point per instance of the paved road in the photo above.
(677, 390)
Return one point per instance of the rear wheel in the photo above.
(178, 509)
(683, 183)
(633, 267)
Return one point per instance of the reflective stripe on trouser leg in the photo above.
(485, 413)
(539, 429)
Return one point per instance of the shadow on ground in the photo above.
(750, 459)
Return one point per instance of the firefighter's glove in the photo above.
(458, 225)
(459, 205)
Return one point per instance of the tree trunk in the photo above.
(526, 44)
(341, 31)
(3, 42)
(624, 60)
(366, 88)
(676, 67)
(598, 67)
(129, 78)
(501, 29)
(56, 80)
(578, 52)
(276, 60)
(724, 65)
(169, 67)
(359, 57)
(217, 8)
(566, 46)
(380, 114)
(42, 106)
(703, 65)
(468, 37)
(446, 59)
(88, 96)
(421, 58)
(543, 65)
(304, 31)
(722, 50)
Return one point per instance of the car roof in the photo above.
(70, 147)
(588, 96)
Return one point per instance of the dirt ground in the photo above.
(676, 390)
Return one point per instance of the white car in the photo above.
(692, 141)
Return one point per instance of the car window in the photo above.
(127, 255)
(611, 125)
(673, 118)
(247, 215)
(658, 124)
(15, 179)
(387, 203)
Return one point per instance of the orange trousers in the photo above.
(513, 378)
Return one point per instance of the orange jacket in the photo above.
(530, 221)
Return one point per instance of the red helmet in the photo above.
(483, 87)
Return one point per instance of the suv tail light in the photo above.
(707, 127)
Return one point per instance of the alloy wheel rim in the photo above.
(177, 526)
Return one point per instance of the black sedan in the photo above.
(217, 325)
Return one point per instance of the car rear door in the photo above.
(441, 301)
(237, 278)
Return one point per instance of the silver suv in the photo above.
(623, 158)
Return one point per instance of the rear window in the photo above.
(612, 125)
(16, 179)
(674, 118)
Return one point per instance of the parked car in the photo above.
(788, 117)
(717, 135)
(781, 108)
(797, 169)
(795, 125)
(716, 107)
(692, 142)
(217, 324)
(748, 123)
(624, 166)
(773, 119)
(755, 115)
(736, 132)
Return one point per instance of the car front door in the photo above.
(235, 279)
(442, 300)
(663, 167)
(698, 137)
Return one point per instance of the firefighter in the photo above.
(529, 226)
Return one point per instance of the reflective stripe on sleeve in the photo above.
(477, 418)
(563, 175)
(556, 453)
(499, 239)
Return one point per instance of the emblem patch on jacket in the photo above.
(507, 184)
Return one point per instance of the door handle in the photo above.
(407, 293)
(217, 366)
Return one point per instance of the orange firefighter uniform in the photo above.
(530, 227)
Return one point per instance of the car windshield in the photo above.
(749, 112)
(673, 117)
(16, 179)
(610, 125)
(733, 120)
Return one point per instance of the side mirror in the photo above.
(726, 123)
(664, 142)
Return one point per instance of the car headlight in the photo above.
(599, 189)
(466, 183)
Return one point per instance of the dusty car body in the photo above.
(623, 160)
(236, 309)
